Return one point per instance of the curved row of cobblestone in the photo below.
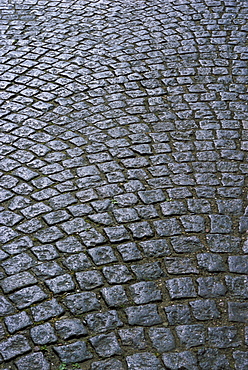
(123, 130)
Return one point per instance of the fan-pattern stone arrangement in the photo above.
(123, 219)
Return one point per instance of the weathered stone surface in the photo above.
(106, 345)
(144, 360)
(27, 296)
(35, 360)
(176, 361)
(178, 314)
(74, 352)
(162, 339)
(43, 334)
(133, 337)
(68, 328)
(181, 288)
(14, 346)
(101, 322)
(212, 359)
(81, 302)
(145, 315)
(191, 335)
(123, 163)
(46, 310)
(107, 365)
(223, 337)
(18, 321)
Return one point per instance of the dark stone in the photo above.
(211, 262)
(17, 263)
(18, 321)
(73, 353)
(129, 252)
(223, 243)
(116, 274)
(101, 322)
(145, 292)
(89, 279)
(147, 212)
(74, 226)
(148, 271)
(178, 314)
(61, 201)
(35, 210)
(193, 223)
(212, 359)
(155, 248)
(69, 328)
(106, 345)
(133, 337)
(18, 246)
(125, 215)
(107, 365)
(102, 255)
(14, 346)
(151, 196)
(145, 315)
(220, 224)
(80, 210)
(238, 264)
(56, 217)
(199, 206)
(17, 281)
(45, 252)
(230, 206)
(173, 208)
(115, 296)
(238, 311)
(181, 288)
(30, 226)
(243, 224)
(27, 296)
(60, 284)
(145, 360)
(9, 218)
(182, 360)
(117, 234)
(179, 265)
(162, 339)
(241, 360)
(168, 227)
(102, 218)
(211, 287)
(81, 302)
(237, 286)
(48, 269)
(183, 244)
(49, 234)
(35, 360)
(77, 262)
(140, 229)
(69, 245)
(46, 310)
(92, 237)
(223, 337)
(43, 334)
(204, 309)
(191, 335)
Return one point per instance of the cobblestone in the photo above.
(123, 216)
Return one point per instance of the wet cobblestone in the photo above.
(123, 215)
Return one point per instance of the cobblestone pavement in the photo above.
(122, 170)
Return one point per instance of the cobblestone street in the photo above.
(123, 164)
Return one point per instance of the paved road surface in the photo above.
(122, 171)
